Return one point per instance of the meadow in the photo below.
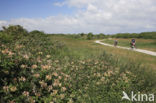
(41, 68)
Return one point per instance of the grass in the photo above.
(147, 44)
(61, 69)
(87, 48)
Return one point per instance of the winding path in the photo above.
(138, 50)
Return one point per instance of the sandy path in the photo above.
(138, 50)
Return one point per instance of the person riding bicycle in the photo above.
(115, 43)
(133, 43)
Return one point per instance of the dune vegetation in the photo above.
(40, 68)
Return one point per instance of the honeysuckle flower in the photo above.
(43, 84)
(50, 88)
(62, 96)
(23, 66)
(22, 79)
(48, 77)
(34, 66)
(63, 89)
(26, 93)
(6, 88)
(55, 74)
(45, 67)
(13, 89)
(36, 75)
(48, 56)
(26, 56)
(40, 53)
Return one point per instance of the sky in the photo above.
(77, 16)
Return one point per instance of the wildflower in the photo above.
(13, 89)
(62, 96)
(38, 94)
(45, 67)
(40, 53)
(6, 88)
(97, 83)
(12, 101)
(56, 83)
(63, 89)
(48, 56)
(36, 75)
(26, 93)
(48, 77)
(34, 66)
(60, 84)
(98, 75)
(59, 77)
(55, 74)
(102, 79)
(72, 95)
(70, 101)
(26, 56)
(50, 88)
(18, 46)
(56, 61)
(54, 92)
(43, 84)
(23, 66)
(10, 54)
(6, 51)
(22, 79)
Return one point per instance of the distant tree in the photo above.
(82, 34)
(90, 36)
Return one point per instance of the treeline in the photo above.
(85, 36)
(16, 31)
(144, 35)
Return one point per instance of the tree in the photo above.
(90, 36)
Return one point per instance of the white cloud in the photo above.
(107, 16)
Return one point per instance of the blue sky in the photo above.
(11, 9)
(77, 16)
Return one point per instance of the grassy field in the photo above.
(40, 68)
(147, 44)
(87, 48)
